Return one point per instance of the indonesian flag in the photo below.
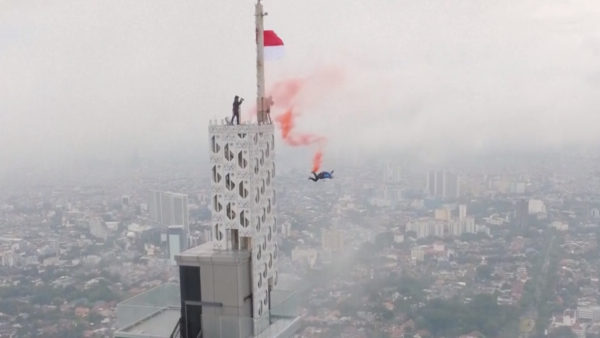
(273, 45)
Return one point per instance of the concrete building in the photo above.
(536, 207)
(462, 212)
(286, 229)
(306, 256)
(399, 238)
(588, 312)
(439, 230)
(175, 241)
(430, 186)
(332, 240)
(442, 214)
(392, 174)
(560, 226)
(8, 258)
(442, 184)
(227, 286)
(422, 228)
(457, 228)
(518, 187)
(522, 214)
(98, 228)
(243, 204)
(154, 313)
(426, 227)
(417, 254)
(169, 208)
(469, 225)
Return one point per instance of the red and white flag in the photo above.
(273, 45)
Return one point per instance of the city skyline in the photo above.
(521, 76)
(463, 136)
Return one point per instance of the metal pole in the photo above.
(260, 67)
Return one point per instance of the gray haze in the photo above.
(108, 79)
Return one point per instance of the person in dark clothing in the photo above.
(237, 102)
(321, 175)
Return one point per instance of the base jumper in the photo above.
(237, 102)
(321, 175)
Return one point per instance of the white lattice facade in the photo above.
(243, 200)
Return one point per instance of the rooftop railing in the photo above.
(156, 313)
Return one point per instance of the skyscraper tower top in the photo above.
(226, 285)
(261, 107)
(238, 268)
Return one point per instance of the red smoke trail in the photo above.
(295, 139)
(288, 95)
(285, 94)
(317, 159)
(290, 136)
(286, 123)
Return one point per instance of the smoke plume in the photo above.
(317, 159)
(288, 95)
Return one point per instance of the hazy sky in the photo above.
(85, 79)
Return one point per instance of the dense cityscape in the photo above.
(386, 250)
(298, 169)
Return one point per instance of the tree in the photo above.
(453, 318)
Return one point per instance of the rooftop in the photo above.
(158, 324)
(206, 253)
(155, 314)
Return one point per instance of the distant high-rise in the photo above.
(536, 207)
(155, 206)
(451, 186)
(332, 240)
(176, 241)
(439, 184)
(443, 214)
(392, 174)
(443, 184)
(169, 208)
(431, 187)
(522, 213)
(462, 212)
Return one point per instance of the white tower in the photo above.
(243, 197)
(243, 200)
(462, 212)
(225, 284)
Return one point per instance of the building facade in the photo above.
(169, 208)
(442, 184)
(243, 200)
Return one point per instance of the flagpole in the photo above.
(260, 64)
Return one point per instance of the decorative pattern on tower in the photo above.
(243, 201)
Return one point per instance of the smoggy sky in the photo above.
(86, 79)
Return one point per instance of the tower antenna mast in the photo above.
(260, 64)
